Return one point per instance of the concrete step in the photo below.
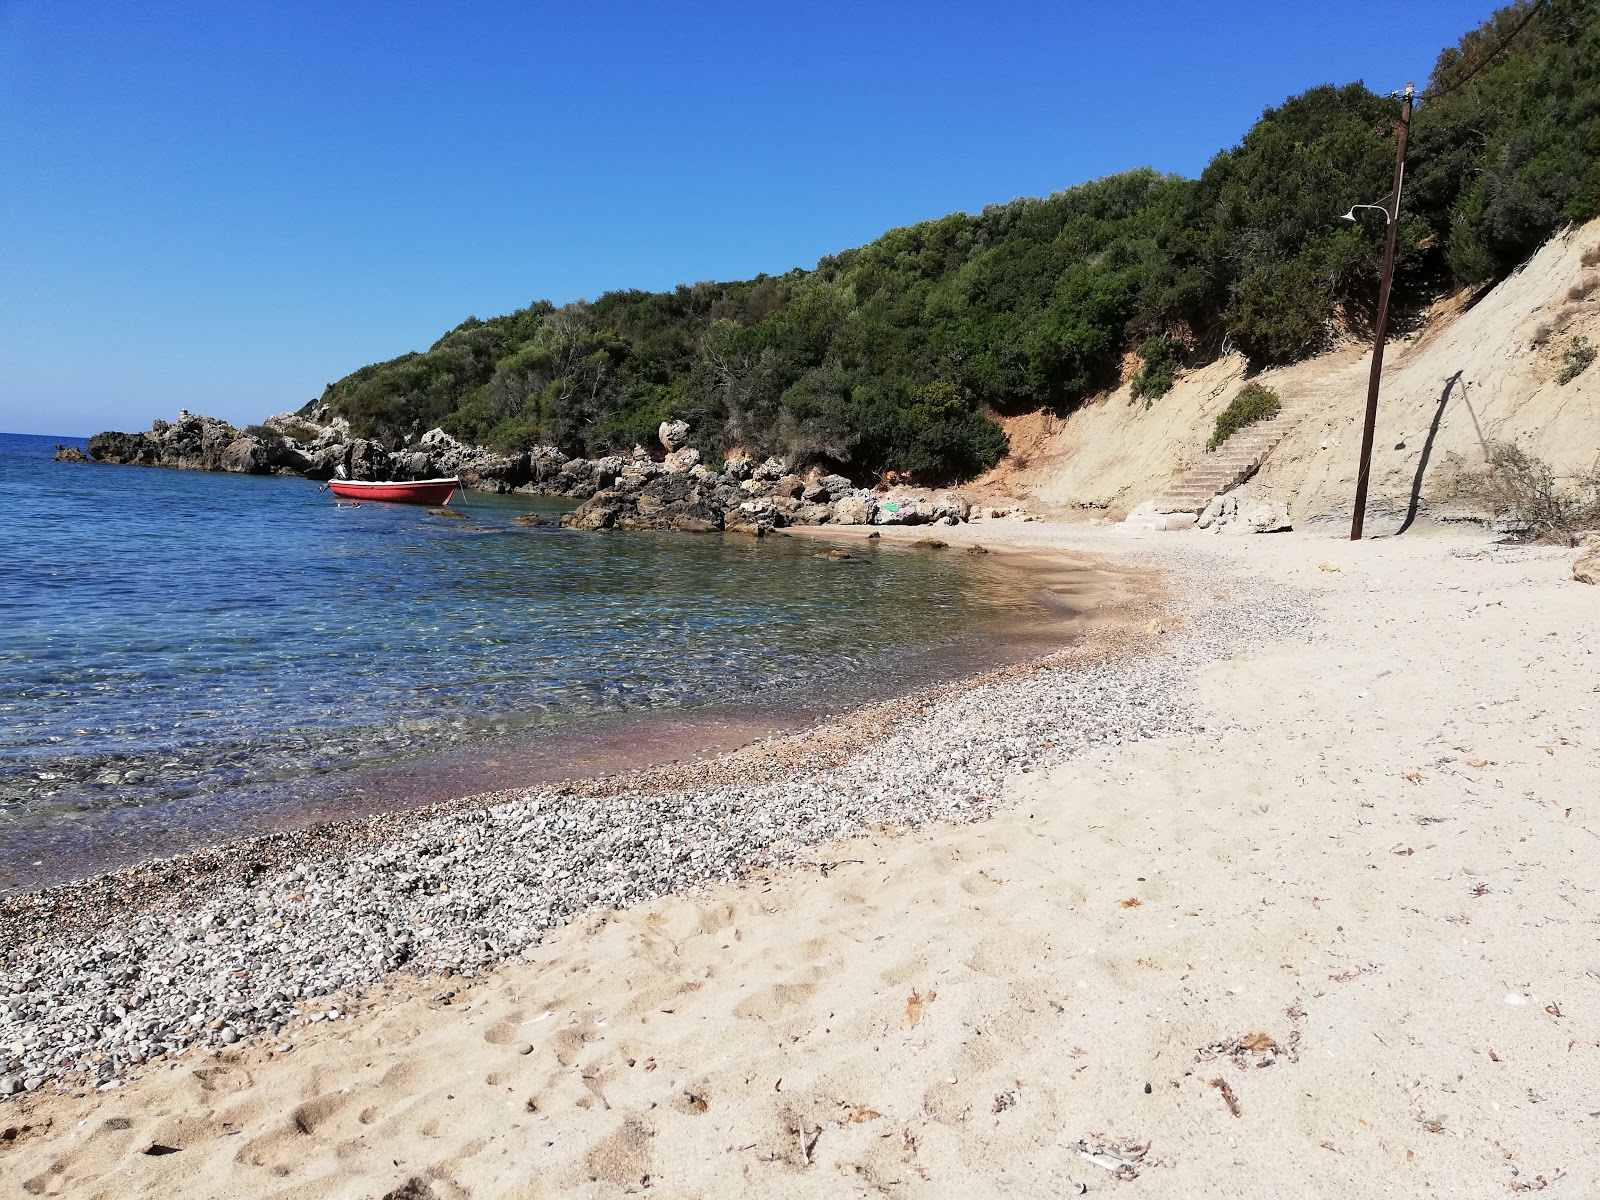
(1226, 468)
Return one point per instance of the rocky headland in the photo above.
(666, 489)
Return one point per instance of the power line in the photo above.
(1538, 7)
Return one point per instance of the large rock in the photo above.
(246, 456)
(674, 435)
(772, 470)
(737, 465)
(827, 489)
(140, 448)
(682, 460)
(1586, 567)
(367, 460)
(755, 517)
(790, 487)
(71, 454)
(903, 510)
(857, 509)
(600, 511)
(1261, 517)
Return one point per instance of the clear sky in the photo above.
(225, 206)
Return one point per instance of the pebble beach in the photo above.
(109, 975)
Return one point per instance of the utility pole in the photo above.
(1364, 471)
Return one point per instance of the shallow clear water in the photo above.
(172, 641)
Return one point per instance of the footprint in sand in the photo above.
(770, 1003)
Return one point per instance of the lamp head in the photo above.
(1349, 216)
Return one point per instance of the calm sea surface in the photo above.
(187, 656)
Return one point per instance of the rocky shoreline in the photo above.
(666, 489)
(213, 956)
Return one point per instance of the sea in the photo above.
(189, 657)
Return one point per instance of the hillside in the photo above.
(1472, 374)
(903, 354)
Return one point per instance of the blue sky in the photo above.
(224, 207)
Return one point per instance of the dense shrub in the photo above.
(1159, 368)
(264, 434)
(1253, 403)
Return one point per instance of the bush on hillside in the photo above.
(264, 434)
(1160, 367)
(1253, 403)
(1523, 488)
(1578, 358)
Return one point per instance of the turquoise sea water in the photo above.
(182, 654)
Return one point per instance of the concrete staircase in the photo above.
(1226, 467)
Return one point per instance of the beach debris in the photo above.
(1228, 1097)
(862, 1114)
(1327, 566)
(1121, 1158)
(157, 1149)
(1131, 902)
(916, 1003)
(1516, 998)
(1250, 1051)
(807, 1148)
(1007, 1099)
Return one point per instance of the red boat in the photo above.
(416, 491)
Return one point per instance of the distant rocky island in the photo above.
(666, 489)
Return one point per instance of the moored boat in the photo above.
(414, 491)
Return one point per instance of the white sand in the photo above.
(1388, 865)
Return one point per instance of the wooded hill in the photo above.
(893, 355)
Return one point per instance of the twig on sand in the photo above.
(1221, 1085)
(806, 1148)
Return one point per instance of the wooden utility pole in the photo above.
(1364, 471)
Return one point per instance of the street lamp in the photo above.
(1391, 216)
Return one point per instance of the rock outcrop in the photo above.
(638, 492)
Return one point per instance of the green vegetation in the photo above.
(1154, 378)
(1580, 354)
(1253, 403)
(897, 354)
(264, 434)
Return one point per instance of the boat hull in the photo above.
(419, 491)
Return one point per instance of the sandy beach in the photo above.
(1289, 888)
